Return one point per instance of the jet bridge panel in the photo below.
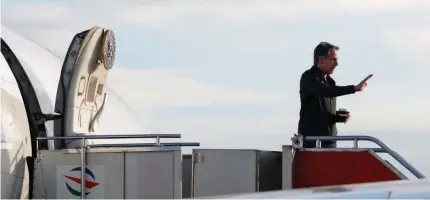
(233, 171)
(118, 173)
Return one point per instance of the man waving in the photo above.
(318, 92)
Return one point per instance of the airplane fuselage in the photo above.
(39, 99)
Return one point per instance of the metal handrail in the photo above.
(83, 147)
(299, 140)
(119, 136)
(165, 144)
(116, 136)
(376, 150)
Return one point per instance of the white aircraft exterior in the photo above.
(405, 189)
(32, 101)
(43, 69)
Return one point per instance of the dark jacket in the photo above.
(318, 103)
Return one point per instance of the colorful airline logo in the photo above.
(89, 184)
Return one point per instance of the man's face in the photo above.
(329, 63)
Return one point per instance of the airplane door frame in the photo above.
(36, 118)
(35, 115)
(66, 75)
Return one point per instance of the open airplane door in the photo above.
(80, 95)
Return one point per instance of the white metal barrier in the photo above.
(234, 171)
(146, 170)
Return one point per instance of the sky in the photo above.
(226, 73)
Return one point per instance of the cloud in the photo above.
(160, 88)
(50, 11)
(258, 10)
(65, 15)
(155, 13)
(75, 15)
(388, 115)
(410, 42)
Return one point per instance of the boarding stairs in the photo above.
(160, 170)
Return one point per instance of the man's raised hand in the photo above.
(363, 83)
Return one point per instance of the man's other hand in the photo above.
(347, 117)
(343, 118)
(363, 83)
